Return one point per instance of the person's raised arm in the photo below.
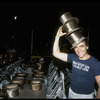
(56, 49)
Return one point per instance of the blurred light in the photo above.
(12, 37)
(15, 17)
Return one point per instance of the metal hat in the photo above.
(67, 17)
(70, 26)
(75, 37)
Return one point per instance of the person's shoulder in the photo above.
(72, 55)
(95, 59)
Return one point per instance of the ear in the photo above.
(87, 47)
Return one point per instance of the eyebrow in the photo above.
(80, 45)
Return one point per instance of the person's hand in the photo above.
(59, 32)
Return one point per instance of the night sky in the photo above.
(42, 17)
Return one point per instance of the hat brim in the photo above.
(79, 42)
(41, 62)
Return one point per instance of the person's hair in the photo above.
(86, 42)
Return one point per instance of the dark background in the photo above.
(42, 17)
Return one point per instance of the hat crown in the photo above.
(66, 17)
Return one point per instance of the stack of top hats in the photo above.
(70, 26)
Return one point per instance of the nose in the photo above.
(78, 49)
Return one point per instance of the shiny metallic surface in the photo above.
(11, 90)
(40, 72)
(36, 70)
(36, 84)
(67, 16)
(19, 77)
(21, 74)
(75, 38)
(38, 75)
(70, 27)
(20, 82)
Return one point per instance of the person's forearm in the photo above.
(98, 94)
(56, 48)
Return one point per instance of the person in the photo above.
(85, 69)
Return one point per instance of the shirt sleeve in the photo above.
(70, 56)
(97, 69)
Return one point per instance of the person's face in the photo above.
(81, 49)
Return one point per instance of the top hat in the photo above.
(70, 26)
(69, 22)
(75, 37)
(67, 17)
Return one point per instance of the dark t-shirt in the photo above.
(83, 73)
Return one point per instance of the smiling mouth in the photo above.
(79, 54)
